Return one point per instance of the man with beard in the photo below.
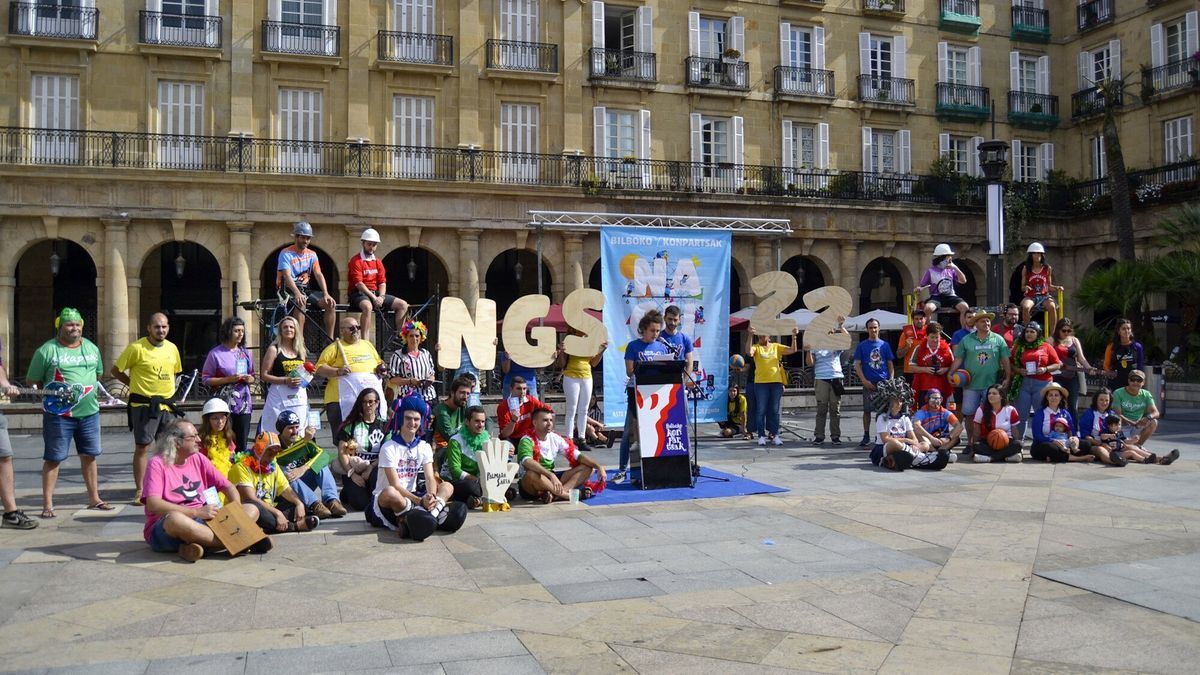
(297, 269)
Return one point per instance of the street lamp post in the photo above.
(993, 158)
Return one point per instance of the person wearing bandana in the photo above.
(460, 467)
(260, 481)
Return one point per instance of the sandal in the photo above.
(102, 506)
(585, 493)
(1169, 457)
(48, 513)
(546, 497)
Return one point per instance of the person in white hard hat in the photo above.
(1037, 286)
(298, 269)
(939, 279)
(368, 286)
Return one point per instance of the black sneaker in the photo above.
(18, 521)
(818, 441)
(866, 440)
(836, 441)
(1171, 456)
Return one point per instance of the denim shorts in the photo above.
(58, 431)
(161, 541)
(5, 444)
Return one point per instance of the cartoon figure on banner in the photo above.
(699, 315)
(705, 385)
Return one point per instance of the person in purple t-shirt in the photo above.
(939, 279)
(228, 372)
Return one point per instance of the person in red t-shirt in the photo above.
(368, 286)
(515, 426)
(911, 336)
(930, 362)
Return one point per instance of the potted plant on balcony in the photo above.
(1036, 108)
(887, 6)
(628, 159)
(730, 56)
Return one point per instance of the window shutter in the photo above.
(738, 147)
(943, 145)
(154, 23)
(1017, 161)
(693, 33)
(1114, 59)
(1014, 71)
(974, 67)
(1191, 40)
(599, 137)
(785, 43)
(822, 145)
(644, 144)
(644, 38)
(788, 145)
(274, 10)
(864, 53)
(697, 137)
(1085, 70)
(213, 29)
(899, 54)
(598, 25)
(819, 49)
(82, 3)
(1156, 46)
(943, 56)
(976, 169)
(867, 135)
(329, 13)
(737, 26)
(1043, 75)
(904, 152)
(1046, 157)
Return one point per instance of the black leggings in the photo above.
(982, 448)
(240, 424)
(1051, 452)
(466, 488)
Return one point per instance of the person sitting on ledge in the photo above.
(179, 492)
(536, 454)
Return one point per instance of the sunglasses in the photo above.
(1136, 379)
(352, 329)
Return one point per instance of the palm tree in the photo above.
(1112, 91)
(1121, 287)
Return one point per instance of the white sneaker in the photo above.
(1015, 459)
(778, 440)
(982, 459)
(951, 458)
(762, 441)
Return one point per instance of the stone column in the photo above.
(115, 323)
(848, 271)
(764, 256)
(239, 273)
(572, 266)
(8, 287)
(358, 22)
(244, 22)
(135, 307)
(465, 284)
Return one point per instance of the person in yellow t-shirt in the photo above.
(769, 379)
(351, 364)
(148, 367)
(261, 482)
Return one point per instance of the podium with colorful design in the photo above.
(662, 418)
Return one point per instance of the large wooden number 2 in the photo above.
(776, 290)
(829, 302)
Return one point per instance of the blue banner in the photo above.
(648, 268)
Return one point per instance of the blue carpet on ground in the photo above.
(709, 485)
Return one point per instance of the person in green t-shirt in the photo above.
(460, 468)
(74, 361)
(984, 355)
(448, 416)
(1136, 407)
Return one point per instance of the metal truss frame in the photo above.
(585, 220)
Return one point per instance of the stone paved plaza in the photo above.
(980, 568)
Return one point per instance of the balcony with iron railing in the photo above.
(1032, 111)
(53, 20)
(529, 57)
(418, 48)
(1090, 102)
(179, 30)
(1095, 13)
(888, 7)
(962, 102)
(1030, 24)
(622, 65)
(886, 90)
(730, 73)
(1174, 77)
(307, 39)
(960, 16)
(792, 81)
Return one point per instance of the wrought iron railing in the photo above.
(1175, 75)
(965, 97)
(301, 38)
(179, 30)
(1094, 13)
(803, 81)
(1033, 19)
(622, 64)
(536, 57)
(1030, 103)
(416, 48)
(961, 7)
(882, 89)
(718, 73)
(1089, 102)
(51, 19)
(883, 6)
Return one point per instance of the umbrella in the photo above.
(554, 318)
(887, 320)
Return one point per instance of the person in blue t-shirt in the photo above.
(872, 364)
(511, 369)
(641, 349)
(676, 340)
(968, 327)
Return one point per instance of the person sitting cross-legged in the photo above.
(897, 444)
(306, 466)
(943, 427)
(536, 454)
(460, 468)
(261, 482)
(410, 499)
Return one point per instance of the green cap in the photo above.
(68, 315)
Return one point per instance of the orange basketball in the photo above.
(997, 439)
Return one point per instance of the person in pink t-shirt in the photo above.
(180, 493)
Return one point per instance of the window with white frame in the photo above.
(182, 22)
(887, 151)
(181, 117)
(519, 141)
(879, 56)
(620, 134)
(519, 20)
(801, 52)
(309, 12)
(883, 152)
(803, 146)
(55, 110)
(961, 151)
(412, 122)
(714, 140)
(302, 26)
(619, 35)
(713, 37)
(1100, 64)
(300, 118)
(413, 16)
(1099, 161)
(957, 70)
(717, 148)
(805, 150)
(1027, 74)
(798, 47)
(1031, 161)
(1177, 140)
(621, 138)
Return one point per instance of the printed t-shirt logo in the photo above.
(188, 489)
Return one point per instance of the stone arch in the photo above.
(809, 276)
(40, 294)
(183, 280)
(513, 274)
(1104, 319)
(429, 283)
(970, 291)
(740, 294)
(595, 277)
(882, 286)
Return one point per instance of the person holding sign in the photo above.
(287, 372)
(536, 455)
(769, 379)
(351, 364)
(261, 482)
(228, 367)
(577, 386)
(306, 466)
(645, 348)
(180, 492)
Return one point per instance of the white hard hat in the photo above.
(943, 249)
(370, 234)
(1036, 248)
(214, 405)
